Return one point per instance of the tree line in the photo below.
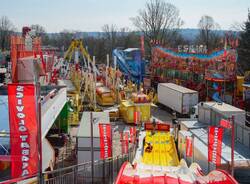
(157, 21)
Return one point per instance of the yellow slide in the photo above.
(159, 149)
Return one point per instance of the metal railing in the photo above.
(105, 171)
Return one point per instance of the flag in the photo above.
(215, 136)
(225, 123)
(125, 143)
(23, 129)
(136, 117)
(189, 146)
(132, 131)
(105, 140)
(122, 142)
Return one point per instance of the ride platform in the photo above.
(163, 152)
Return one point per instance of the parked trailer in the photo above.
(177, 98)
(211, 113)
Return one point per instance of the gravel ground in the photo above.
(161, 114)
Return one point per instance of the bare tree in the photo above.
(244, 45)
(65, 37)
(237, 26)
(39, 30)
(110, 34)
(119, 37)
(96, 47)
(158, 21)
(6, 28)
(128, 38)
(208, 32)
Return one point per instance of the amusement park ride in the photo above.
(131, 63)
(102, 86)
(120, 87)
(156, 161)
(212, 74)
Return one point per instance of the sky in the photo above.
(91, 15)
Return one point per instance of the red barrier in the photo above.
(118, 178)
(158, 126)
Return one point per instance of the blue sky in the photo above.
(91, 15)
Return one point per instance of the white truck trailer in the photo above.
(177, 98)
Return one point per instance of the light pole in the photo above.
(39, 132)
(232, 148)
(92, 147)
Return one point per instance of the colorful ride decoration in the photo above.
(107, 88)
(156, 161)
(179, 175)
(138, 103)
(212, 74)
(30, 46)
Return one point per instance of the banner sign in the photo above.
(122, 142)
(105, 140)
(158, 126)
(124, 138)
(125, 142)
(23, 129)
(215, 137)
(132, 134)
(192, 48)
(189, 146)
(191, 55)
(136, 117)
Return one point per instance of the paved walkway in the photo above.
(161, 114)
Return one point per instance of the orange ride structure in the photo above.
(212, 74)
(23, 46)
(29, 46)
